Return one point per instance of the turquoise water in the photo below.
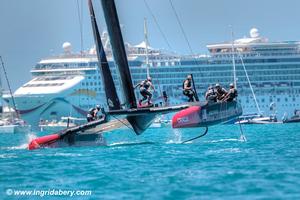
(156, 166)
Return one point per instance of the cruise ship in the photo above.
(70, 84)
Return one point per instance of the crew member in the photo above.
(188, 89)
(231, 94)
(221, 92)
(165, 96)
(92, 114)
(211, 95)
(145, 87)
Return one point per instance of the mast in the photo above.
(10, 91)
(146, 44)
(233, 59)
(107, 79)
(118, 49)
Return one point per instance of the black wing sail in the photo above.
(112, 99)
(116, 40)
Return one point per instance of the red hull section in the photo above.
(45, 140)
(187, 118)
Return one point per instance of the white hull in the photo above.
(15, 129)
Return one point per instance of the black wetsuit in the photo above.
(144, 86)
(232, 94)
(188, 92)
(92, 114)
(221, 92)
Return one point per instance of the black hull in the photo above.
(207, 114)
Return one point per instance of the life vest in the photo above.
(221, 91)
(233, 94)
(145, 85)
(188, 85)
(92, 112)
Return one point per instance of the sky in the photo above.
(34, 29)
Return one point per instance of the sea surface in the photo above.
(155, 165)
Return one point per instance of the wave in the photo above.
(120, 144)
(224, 140)
(227, 150)
(68, 154)
(22, 146)
(8, 156)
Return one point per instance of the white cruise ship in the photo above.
(70, 84)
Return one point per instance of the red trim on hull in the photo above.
(189, 117)
(38, 142)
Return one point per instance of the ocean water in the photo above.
(157, 166)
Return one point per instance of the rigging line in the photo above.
(10, 91)
(181, 27)
(249, 82)
(161, 94)
(184, 35)
(123, 123)
(158, 26)
(79, 11)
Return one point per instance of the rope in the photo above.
(80, 25)
(157, 24)
(181, 27)
(161, 94)
(123, 123)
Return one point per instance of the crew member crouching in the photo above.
(211, 95)
(145, 87)
(231, 94)
(221, 92)
(92, 114)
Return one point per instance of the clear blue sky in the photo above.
(34, 29)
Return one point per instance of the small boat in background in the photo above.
(293, 119)
(161, 123)
(258, 119)
(14, 126)
(11, 121)
(63, 123)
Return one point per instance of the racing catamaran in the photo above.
(139, 118)
(204, 114)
